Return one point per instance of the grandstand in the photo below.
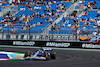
(50, 18)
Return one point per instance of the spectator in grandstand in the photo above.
(92, 20)
(98, 40)
(38, 23)
(5, 19)
(57, 14)
(95, 25)
(98, 23)
(85, 13)
(37, 7)
(49, 19)
(30, 25)
(77, 20)
(88, 32)
(0, 3)
(40, 16)
(15, 19)
(77, 25)
(74, 28)
(78, 31)
(6, 24)
(83, 30)
(13, 31)
(97, 16)
(67, 21)
(43, 16)
(94, 7)
(41, 23)
(21, 18)
(87, 19)
(99, 34)
(72, 16)
(69, 25)
(58, 5)
(57, 26)
(37, 14)
(22, 9)
(95, 33)
(20, 23)
(58, 10)
(0, 6)
(31, 9)
(63, 24)
(74, 21)
(33, 25)
(82, 19)
(89, 6)
(1, 30)
(67, 16)
(83, 1)
(86, 23)
(24, 27)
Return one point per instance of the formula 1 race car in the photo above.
(40, 54)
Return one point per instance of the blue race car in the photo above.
(40, 54)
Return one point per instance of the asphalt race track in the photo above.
(65, 58)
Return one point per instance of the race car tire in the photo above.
(46, 56)
(53, 55)
(26, 54)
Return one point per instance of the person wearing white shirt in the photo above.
(23, 16)
(38, 23)
(0, 3)
(13, 1)
(78, 31)
(22, 9)
(91, 20)
(98, 23)
(49, 3)
(18, 1)
(99, 34)
(94, 33)
(6, 25)
(50, 19)
(69, 25)
(50, 13)
(34, 25)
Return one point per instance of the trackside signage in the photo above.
(57, 44)
(23, 43)
(91, 45)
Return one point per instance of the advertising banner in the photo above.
(59, 44)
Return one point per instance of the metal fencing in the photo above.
(34, 33)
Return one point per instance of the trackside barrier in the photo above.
(50, 44)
